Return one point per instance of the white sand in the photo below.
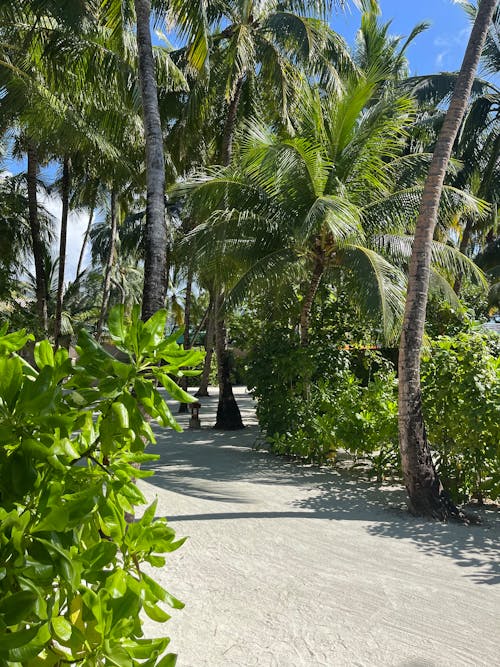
(289, 565)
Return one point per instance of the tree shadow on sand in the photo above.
(203, 465)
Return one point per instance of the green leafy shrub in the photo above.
(72, 583)
(314, 401)
(461, 394)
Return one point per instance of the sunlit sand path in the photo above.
(289, 565)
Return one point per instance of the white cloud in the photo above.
(77, 224)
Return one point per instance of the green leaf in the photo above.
(17, 607)
(44, 354)
(116, 323)
(11, 378)
(62, 628)
(173, 388)
(155, 613)
(169, 660)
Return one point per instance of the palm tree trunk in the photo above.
(305, 313)
(85, 240)
(464, 242)
(106, 289)
(209, 349)
(183, 407)
(228, 412)
(36, 238)
(155, 284)
(65, 186)
(230, 124)
(425, 491)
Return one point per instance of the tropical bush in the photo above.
(73, 586)
(461, 380)
(315, 401)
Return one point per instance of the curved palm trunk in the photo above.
(228, 412)
(305, 313)
(155, 261)
(209, 349)
(36, 238)
(183, 407)
(426, 494)
(106, 288)
(65, 185)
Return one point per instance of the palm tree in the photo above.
(425, 492)
(326, 200)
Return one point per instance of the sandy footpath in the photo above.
(289, 565)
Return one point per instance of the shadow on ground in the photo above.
(224, 467)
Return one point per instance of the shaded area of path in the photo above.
(295, 565)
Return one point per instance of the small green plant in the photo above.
(461, 394)
(72, 583)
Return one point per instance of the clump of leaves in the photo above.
(72, 584)
(461, 394)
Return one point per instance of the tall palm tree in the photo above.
(327, 199)
(425, 492)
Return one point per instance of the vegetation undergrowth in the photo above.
(319, 401)
(72, 585)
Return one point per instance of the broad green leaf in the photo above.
(11, 379)
(62, 628)
(155, 613)
(173, 388)
(44, 354)
(17, 607)
(116, 323)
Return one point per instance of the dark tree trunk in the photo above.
(106, 288)
(36, 238)
(228, 412)
(183, 407)
(305, 312)
(209, 349)
(425, 491)
(85, 240)
(65, 186)
(230, 124)
(155, 261)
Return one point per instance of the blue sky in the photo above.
(440, 48)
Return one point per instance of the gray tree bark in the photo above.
(106, 288)
(425, 491)
(155, 261)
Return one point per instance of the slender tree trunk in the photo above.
(464, 242)
(209, 349)
(200, 325)
(65, 186)
(85, 240)
(155, 284)
(228, 412)
(230, 124)
(36, 238)
(426, 494)
(183, 407)
(106, 288)
(305, 312)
